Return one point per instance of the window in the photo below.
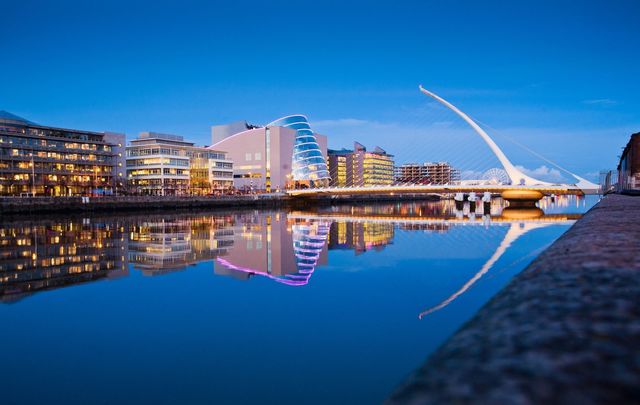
(247, 157)
(258, 156)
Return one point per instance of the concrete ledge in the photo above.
(17, 205)
(47, 205)
(566, 330)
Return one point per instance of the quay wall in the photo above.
(45, 205)
(565, 330)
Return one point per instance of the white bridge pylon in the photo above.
(516, 175)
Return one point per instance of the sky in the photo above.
(561, 77)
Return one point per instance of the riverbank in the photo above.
(566, 330)
(40, 205)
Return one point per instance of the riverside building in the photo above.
(164, 164)
(48, 161)
(283, 154)
(359, 167)
(629, 166)
(427, 173)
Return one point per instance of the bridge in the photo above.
(521, 188)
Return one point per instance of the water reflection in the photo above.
(52, 254)
(272, 246)
(285, 247)
(516, 230)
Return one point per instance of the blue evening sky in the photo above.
(560, 77)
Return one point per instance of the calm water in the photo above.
(330, 306)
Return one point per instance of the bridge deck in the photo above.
(560, 189)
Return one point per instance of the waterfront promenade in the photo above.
(566, 330)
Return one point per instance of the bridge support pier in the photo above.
(522, 198)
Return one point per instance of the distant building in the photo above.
(164, 164)
(359, 167)
(337, 162)
(427, 173)
(629, 166)
(283, 154)
(49, 161)
(221, 132)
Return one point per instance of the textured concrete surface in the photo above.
(566, 330)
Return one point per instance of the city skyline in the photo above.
(358, 81)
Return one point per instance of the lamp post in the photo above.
(33, 176)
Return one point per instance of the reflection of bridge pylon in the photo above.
(516, 230)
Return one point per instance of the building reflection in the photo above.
(275, 247)
(159, 245)
(360, 236)
(49, 255)
(282, 247)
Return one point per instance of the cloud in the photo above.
(544, 173)
(471, 175)
(600, 101)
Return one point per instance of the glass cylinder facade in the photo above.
(308, 164)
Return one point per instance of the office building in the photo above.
(337, 164)
(629, 166)
(283, 154)
(359, 167)
(164, 164)
(427, 173)
(48, 161)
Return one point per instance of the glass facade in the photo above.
(308, 164)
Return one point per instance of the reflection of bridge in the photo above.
(430, 220)
(519, 221)
(516, 230)
(522, 187)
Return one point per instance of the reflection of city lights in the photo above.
(94, 249)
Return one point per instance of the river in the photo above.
(332, 305)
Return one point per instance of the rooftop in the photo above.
(7, 116)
